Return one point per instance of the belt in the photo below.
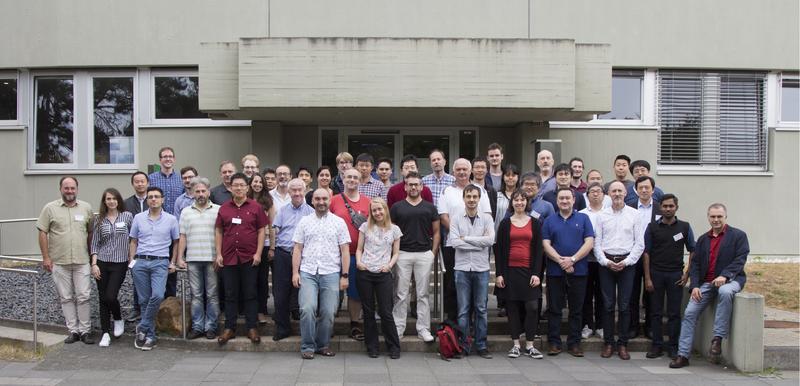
(284, 250)
(616, 258)
(149, 257)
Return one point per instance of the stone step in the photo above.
(23, 338)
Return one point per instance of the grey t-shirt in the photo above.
(378, 245)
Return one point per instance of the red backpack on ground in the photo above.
(449, 337)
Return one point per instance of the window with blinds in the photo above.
(712, 118)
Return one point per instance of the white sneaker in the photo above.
(586, 332)
(514, 352)
(119, 328)
(599, 332)
(105, 341)
(425, 335)
(533, 353)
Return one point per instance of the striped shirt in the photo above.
(110, 238)
(198, 227)
(437, 185)
(171, 185)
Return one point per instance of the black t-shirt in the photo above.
(415, 222)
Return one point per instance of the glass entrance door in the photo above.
(420, 145)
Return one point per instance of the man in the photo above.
(592, 177)
(451, 204)
(250, 164)
(367, 185)
(320, 266)
(480, 168)
(438, 180)
(154, 247)
(239, 235)
(545, 162)
(352, 207)
(137, 203)
(384, 171)
(618, 244)
(494, 154)
(640, 168)
(716, 273)
(186, 198)
(567, 238)
(664, 242)
(593, 301)
(221, 193)
(285, 224)
(270, 179)
(419, 222)
(64, 232)
(398, 191)
(471, 235)
(280, 195)
(344, 161)
(578, 185)
(166, 179)
(648, 212)
(563, 178)
(540, 209)
(621, 163)
(197, 239)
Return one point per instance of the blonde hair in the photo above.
(387, 220)
(251, 157)
(344, 156)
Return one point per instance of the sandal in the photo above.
(307, 355)
(326, 352)
(356, 333)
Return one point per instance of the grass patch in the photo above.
(779, 283)
(13, 352)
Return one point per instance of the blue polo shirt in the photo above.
(154, 236)
(286, 221)
(543, 208)
(566, 236)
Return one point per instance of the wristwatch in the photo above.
(572, 258)
(344, 275)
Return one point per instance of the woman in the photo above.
(324, 178)
(518, 264)
(304, 174)
(508, 185)
(109, 255)
(378, 248)
(261, 195)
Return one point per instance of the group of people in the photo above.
(601, 250)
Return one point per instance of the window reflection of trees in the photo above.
(177, 97)
(54, 120)
(113, 117)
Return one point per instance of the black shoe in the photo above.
(87, 338)
(72, 338)
(277, 337)
(501, 313)
(655, 352)
(211, 334)
(194, 334)
(485, 354)
(372, 354)
(394, 355)
(295, 315)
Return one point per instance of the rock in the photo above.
(168, 320)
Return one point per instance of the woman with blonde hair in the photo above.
(378, 248)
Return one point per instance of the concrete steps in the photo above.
(23, 338)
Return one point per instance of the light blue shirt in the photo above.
(154, 236)
(541, 209)
(183, 201)
(286, 221)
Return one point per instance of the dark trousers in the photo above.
(449, 284)
(240, 283)
(282, 290)
(593, 301)
(263, 281)
(664, 284)
(561, 290)
(172, 279)
(639, 298)
(371, 287)
(523, 314)
(111, 277)
(616, 288)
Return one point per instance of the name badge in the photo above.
(120, 225)
(678, 237)
(79, 217)
(236, 220)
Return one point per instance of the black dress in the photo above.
(517, 279)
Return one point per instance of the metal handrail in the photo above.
(13, 220)
(35, 295)
(440, 293)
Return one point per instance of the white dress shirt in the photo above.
(619, 233)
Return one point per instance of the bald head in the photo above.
(544, 160)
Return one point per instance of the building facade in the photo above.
(707, 92)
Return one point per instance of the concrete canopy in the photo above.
(405, 81)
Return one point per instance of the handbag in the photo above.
(355, 218)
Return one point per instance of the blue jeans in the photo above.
(319, 297)
(472, 291)
(203, 283)
(617, 288)
(722, 319)
(150, 277)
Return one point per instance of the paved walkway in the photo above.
(121, 364)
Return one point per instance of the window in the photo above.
(712, 120)
(8, 98)
(83, 121)
(790, 99)
(626, 96)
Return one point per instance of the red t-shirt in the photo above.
(338, 208)
(240, 226)
(519, 253)
(713, 250)
(398, 193)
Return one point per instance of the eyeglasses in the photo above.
(167, 156)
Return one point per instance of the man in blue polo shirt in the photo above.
(568, 238)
